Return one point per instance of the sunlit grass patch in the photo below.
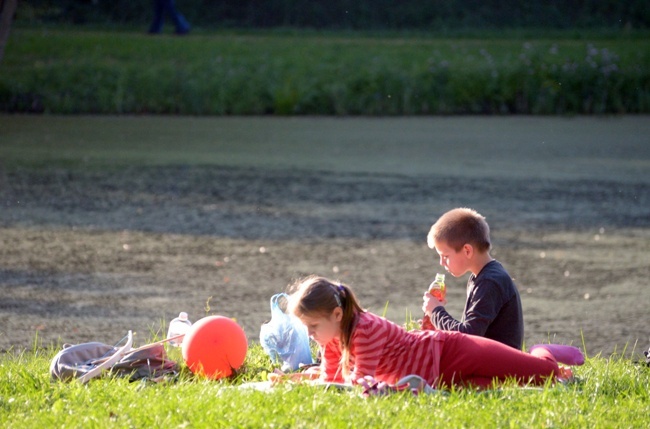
(607, 392)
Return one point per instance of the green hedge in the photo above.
(238, 74)
(358, 14)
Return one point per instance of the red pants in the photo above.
(471, 360)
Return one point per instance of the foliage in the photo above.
(64, 71)
(609, 392)
(358, 15)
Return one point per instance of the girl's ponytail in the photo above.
(350, 307)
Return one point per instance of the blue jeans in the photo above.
(162, 7)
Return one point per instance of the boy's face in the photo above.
(455, 262)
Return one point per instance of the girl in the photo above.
(355, 344)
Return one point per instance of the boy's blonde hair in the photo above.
(461, 226)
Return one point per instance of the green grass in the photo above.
(610, 392)
(230, 73)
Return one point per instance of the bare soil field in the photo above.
(111, 224)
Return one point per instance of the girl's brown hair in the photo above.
(319, 296)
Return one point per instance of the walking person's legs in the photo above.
(158, 16)
(180, 23)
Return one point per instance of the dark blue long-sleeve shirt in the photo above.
(492, 310)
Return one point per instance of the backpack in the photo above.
(86, 361)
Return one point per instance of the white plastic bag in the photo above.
(285, 338)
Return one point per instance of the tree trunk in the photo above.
(7, 10)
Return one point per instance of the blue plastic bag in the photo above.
(284, 338)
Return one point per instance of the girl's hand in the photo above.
(278, 376)
(312, 372)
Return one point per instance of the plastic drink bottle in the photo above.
(178, 326)
(438, 289)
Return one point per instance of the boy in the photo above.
(493, 307)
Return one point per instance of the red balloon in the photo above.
(214, 346)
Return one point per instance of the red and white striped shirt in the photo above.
(385, 351)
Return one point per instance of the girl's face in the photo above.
(323, 329)
(455, 262)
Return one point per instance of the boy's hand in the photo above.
(431, 302)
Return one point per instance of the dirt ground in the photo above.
(89, 253)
